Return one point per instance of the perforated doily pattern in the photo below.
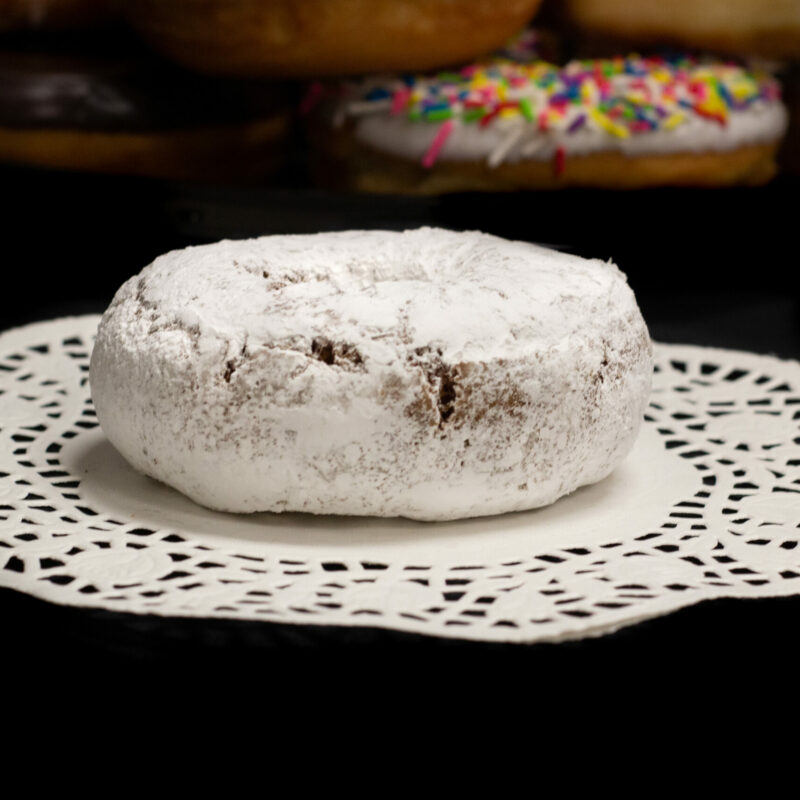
(707, 505)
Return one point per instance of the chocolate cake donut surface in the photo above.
(125, 112)
(427, 374)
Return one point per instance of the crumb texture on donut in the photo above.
(426, 374)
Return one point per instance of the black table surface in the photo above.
(709, 267)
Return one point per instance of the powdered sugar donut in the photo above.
(506, 123)
(425, 374)
(86, 108)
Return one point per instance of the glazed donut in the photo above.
(131, 115)
(425, 374)
(39, 14)
(308, 38)
(769, 28)
(502, 123)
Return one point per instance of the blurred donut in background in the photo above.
(19, 15)
(132, 114)
(310, 38)
(768, 28)
(514, 121)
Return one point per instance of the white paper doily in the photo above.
(707, 505)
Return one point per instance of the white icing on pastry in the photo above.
(500, 110)
(759, 124)
(427, 374)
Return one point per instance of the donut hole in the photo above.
(350, 260)
(388, 271)
(361, 272)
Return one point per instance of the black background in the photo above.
(709, 267)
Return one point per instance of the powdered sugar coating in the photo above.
(426, 374)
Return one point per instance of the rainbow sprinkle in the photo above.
(618, 97)
(438, 143)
